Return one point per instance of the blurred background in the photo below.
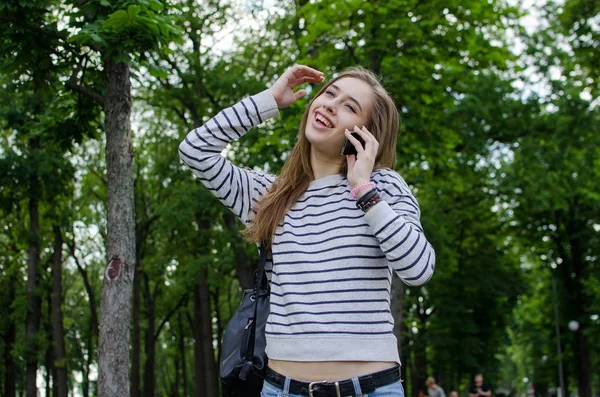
(500, 143)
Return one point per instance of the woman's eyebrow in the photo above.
(350, 97)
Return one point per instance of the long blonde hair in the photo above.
(296, 174)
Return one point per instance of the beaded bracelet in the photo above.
(360, 187)
(368, 200)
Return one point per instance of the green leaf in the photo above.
(105, 3)
(117, 20)
(96, 37)
(156, 5)
(133, 10)
(150, 24)
(156, 72)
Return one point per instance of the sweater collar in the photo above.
(330, 180)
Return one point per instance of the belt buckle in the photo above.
(322, 382)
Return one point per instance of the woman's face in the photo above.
(345, 103)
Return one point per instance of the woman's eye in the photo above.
(329, 92)
(351, 108)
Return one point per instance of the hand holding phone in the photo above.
(348, 147)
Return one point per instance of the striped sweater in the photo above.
(331, 264)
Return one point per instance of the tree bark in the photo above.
(115, 306)
(33, 298)
(58, 331)
(10, 338)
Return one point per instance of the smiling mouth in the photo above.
(320, 119)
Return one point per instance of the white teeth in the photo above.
(324, 121)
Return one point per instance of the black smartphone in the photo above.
(348, 147)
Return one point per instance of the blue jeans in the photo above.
(392, 390)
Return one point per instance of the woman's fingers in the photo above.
(300, 74)
(299, 94)
(283, 89)
(305, 71)
(364, 133)
(351, 159)
(370, 141)
(359, 147)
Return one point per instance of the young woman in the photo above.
(337, 228)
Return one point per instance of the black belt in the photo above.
(368, 384)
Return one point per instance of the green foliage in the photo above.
(125, 28)
(506, 179)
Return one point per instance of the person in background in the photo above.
(453, 393)
(433, 389)
(479, 388)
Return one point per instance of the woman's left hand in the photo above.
(360, 166)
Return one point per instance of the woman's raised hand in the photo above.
(283, 89)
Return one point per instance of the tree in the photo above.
(110, 28)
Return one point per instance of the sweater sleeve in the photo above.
(395, 222)
(201, 150)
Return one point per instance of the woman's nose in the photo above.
(329, 107)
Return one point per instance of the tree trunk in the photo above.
(397, 308)
(584, 372)
(85, 387)
(182, 355)
(10, 338)
(49, 369)
(149, 378)
(419, 367)
(93, 326)
(245, 266)
(175, 388)
(92, 337)
(58, 331)
(199, 380)
(206, 370)
(50, 375)
(215, 304)
(33, 298)
(564, 332)
(115, 305)
(404, 351)
(135, 356)
(210, 371)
